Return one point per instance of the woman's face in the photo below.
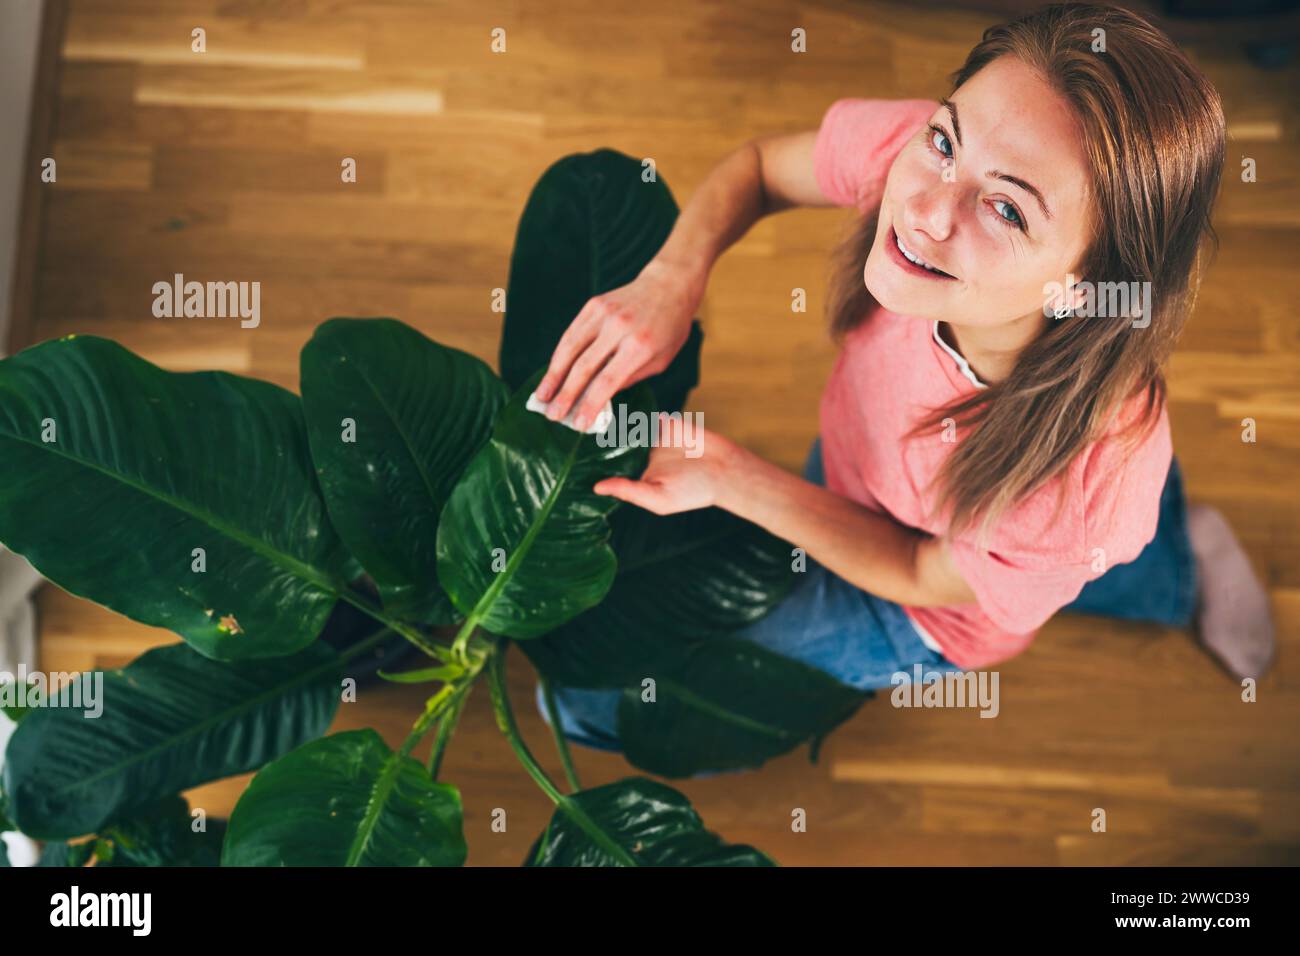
(945, 200)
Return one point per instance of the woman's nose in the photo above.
(932, 210)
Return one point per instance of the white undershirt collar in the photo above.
(962, 364)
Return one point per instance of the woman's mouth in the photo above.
(908, 261)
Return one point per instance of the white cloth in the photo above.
(603, 417)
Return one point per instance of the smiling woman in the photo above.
(982, 463)
(1053, 167)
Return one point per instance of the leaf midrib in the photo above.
(401, 433)
(484, 604)
(690, 698)
(286, 561)
(379, 795)
(248, 704)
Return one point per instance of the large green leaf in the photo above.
(346, 800)
(171, 720)
(419, 411)
(591, 223)
(525, 505)
(728, 704)
(144, 467)
(653, 823)
(682, 579)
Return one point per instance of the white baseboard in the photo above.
(18, 580)
(17, 645)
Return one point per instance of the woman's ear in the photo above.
(1075, 295)
(1067, 301)
(1063, 301)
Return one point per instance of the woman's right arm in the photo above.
(633, 332)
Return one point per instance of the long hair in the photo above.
(1153, 131)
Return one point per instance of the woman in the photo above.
(994, 444)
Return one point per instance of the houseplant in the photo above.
(407, 482)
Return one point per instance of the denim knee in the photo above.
(583, 725)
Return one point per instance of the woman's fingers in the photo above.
(639, 493)
(613, 377)
(582, 331)
(580, 375)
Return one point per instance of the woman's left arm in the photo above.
(867, 549)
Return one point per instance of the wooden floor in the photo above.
(225, 166)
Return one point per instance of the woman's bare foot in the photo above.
(1233, 619)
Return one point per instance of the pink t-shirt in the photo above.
(891, 372)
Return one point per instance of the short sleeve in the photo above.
(1124, 489)
(857, 142)
(1020, 592)
(1037, 565)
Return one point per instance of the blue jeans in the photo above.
(1159, 585)
(862, 640)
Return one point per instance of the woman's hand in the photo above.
(619, 338)
(673, 481)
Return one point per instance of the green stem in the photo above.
(459, 646)
(561, 743)
(506, 722)
(434, 708)
(477, 654)
(445, 729)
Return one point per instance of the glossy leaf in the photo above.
(591, 223)
(729, 704)
(652, 823)
(417, 412)
(681, 579)
(113, 473)
(524, 543)
(346, 800)
(171, 720)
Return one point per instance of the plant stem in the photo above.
(561, 744)
(445, 729)
(459, 646)
(433, 709)
(455, 694)
(506, 721)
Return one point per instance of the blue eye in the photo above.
(937, 130)
(1017, 222)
